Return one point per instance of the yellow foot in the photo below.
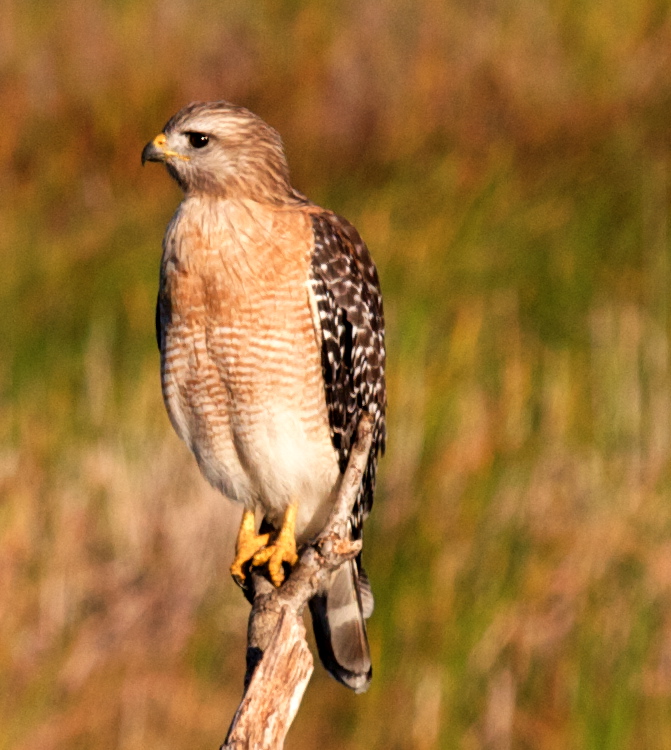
(246, 546)
(282, 550)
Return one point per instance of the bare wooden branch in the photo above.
(279, 663)
(275, 690)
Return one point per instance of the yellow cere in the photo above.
(161, 142)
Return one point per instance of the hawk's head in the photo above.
(221, 149)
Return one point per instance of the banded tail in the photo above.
(339, 621)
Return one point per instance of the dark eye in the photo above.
(198, 140)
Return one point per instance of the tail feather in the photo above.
(366, 595)
(338, 620)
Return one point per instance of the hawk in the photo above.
(271, 331)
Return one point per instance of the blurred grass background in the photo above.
(508, 164)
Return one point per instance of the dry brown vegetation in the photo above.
(508, 164)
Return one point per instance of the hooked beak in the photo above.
(157, 150)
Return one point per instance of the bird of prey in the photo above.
(271, 331)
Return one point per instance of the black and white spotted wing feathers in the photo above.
(349, 304)
(347, 292)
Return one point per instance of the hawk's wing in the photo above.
(346, 288)
(346, 291)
